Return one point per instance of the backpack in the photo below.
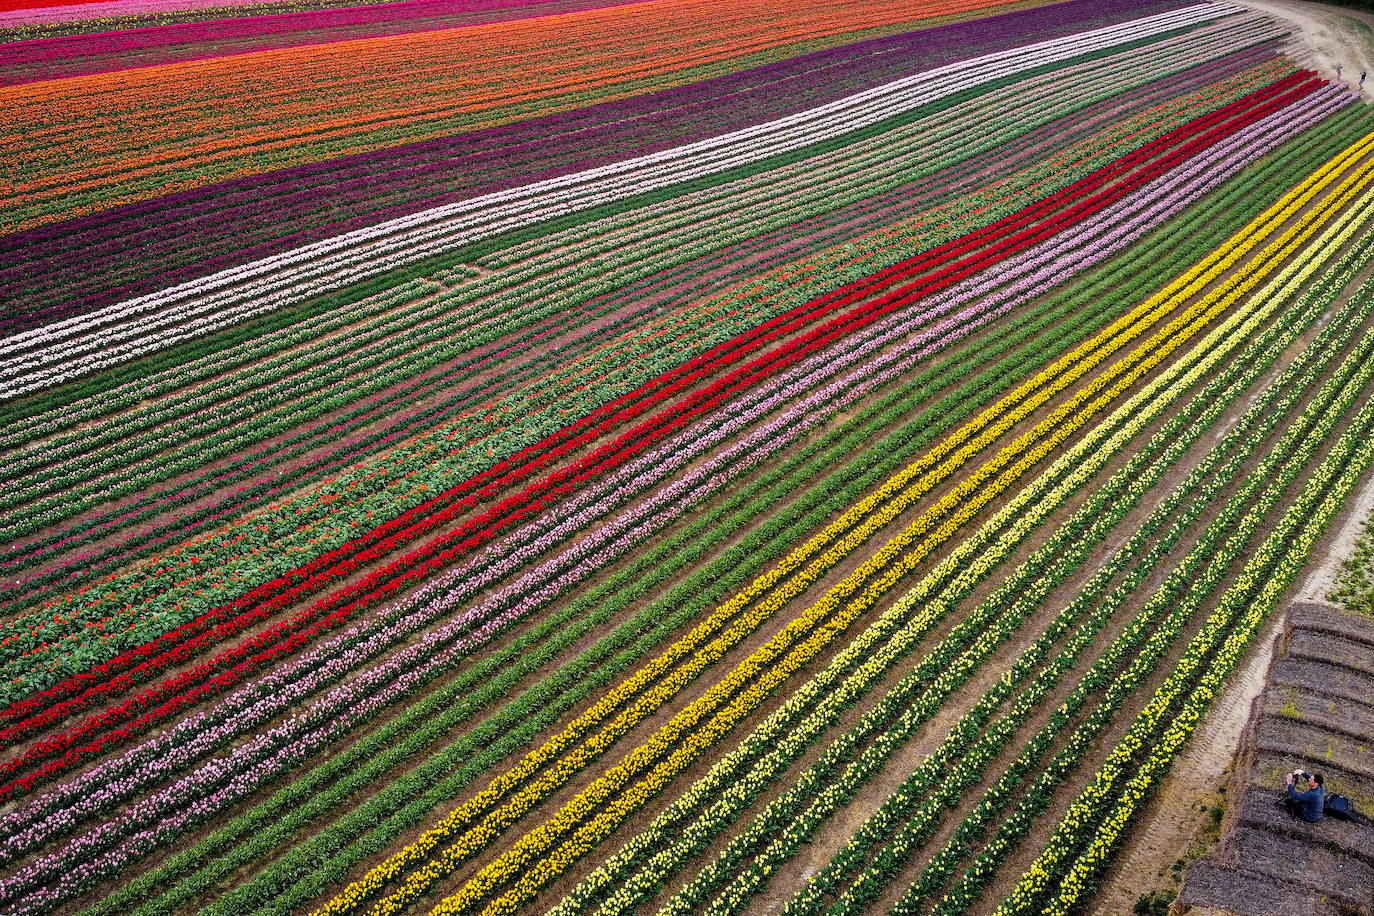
(1339, 806)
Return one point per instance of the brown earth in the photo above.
(1178, 817)
(1269, 863)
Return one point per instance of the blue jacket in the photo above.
(1310, 803)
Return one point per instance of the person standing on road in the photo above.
(1362, 81)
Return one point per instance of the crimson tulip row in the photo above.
(843, 296)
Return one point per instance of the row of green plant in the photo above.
(1354, 587)
(882, 847)
(1142, 268)
(1106, 284)
(509, 881)
(1077, 851)
(1183, 591)
(847, 764)
(531, 248)
(577, 96)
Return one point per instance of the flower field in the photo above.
(664, 456)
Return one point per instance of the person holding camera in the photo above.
(1310, 804)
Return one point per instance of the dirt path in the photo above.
(1327, 37)
(1320, 579)
(1178, 817)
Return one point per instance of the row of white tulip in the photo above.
(312, 854)
(45, 356)
(586, 257)
(1108, 234)
(1028, 449)
(787, 821)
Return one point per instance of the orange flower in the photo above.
(105, 139)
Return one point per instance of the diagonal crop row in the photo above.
(1014, 824)
(601, 243)
(731, 570)
(1114, 77)
(125, 517)
(661, 757)
(787, 837)
(908, 816)
(73, 347)
(541, 706)
(1093, 823)
(406, 178)
(1264, 579)
(214, 426)
(795, 420)
(646, 756)
(716, 800)
(527, 242)
(690, 43)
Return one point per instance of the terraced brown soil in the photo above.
(1268, 862)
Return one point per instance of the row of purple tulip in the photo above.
(142, 247)
(166, 814)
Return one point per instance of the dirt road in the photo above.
(1174, 826)
(1327, 37)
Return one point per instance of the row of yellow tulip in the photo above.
(1030, 891)
(478, 837)
(1175, 709)
(785, 823)
(594, 813)
(698, 815)
(1014, 821)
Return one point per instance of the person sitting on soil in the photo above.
(1308, 805)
